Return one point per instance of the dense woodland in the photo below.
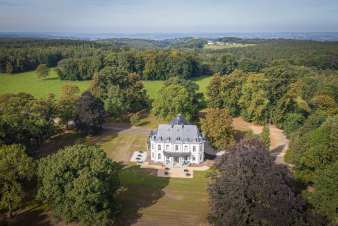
(292, 84)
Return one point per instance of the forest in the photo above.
(289, 83)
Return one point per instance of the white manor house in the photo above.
(177, 144)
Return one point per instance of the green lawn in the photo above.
(203, 83)
(29, 83)
(151, 200)
(153, 87)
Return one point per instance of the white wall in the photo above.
(197, 151)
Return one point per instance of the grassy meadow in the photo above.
(153, 87)
(29, 82)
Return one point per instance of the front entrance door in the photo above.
(177, 162)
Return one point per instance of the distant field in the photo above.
(224, 46)
(29, 83)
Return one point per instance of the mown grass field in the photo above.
(29, 82)
(151, 200)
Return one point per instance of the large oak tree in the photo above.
(79, 183)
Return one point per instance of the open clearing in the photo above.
(28, 82)
(153, 87)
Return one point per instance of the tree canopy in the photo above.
(42, 70)
(217, 127)
(123, 92)
(16, 169)
(178, 96)
(89, 113)
(25, 120)
(79, 183)
(248, 189)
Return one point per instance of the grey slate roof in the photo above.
(179, 120)
(177, 132)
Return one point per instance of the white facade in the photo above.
(176, 145)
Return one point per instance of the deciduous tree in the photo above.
(227, 64)
(42, 71)
(16, 169)
(89, 113)
(217, 127)
(248, 189)
(173, 100)
(254, 101)
(25, 120)
(67, 103)
(79, 183)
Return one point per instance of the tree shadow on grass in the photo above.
(50, 79)
(58, 142)
(63, 140)
(102, 137)
(142, 188)
(277, 150)
(34, 216)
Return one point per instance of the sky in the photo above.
(146, 16)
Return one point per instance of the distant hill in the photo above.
(188, 42)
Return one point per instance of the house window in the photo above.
(167, 147)
(176, 147)
(152, 146)
(193, 148)
(159, 156)
(185, 147)
(193, 158)
(159, 147)
(153, 155)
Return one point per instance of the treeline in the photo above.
(150, 65)
(159, 60)
(319, 55)
(20, 55)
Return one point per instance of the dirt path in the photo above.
(279, 142)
